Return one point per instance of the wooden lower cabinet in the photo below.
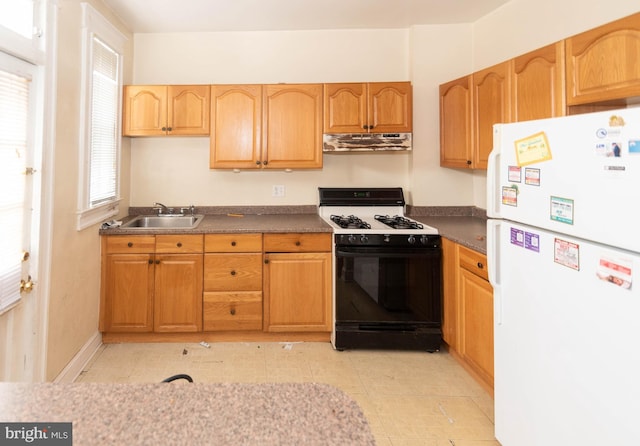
(216, 286)
(297, 282)
(297, 289)
(468, 310)
(178, 293)
(151, 284)
(127, 288)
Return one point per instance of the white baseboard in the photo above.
(76, 365)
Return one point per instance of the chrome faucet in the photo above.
(161, 207)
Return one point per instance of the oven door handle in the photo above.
(385, 253)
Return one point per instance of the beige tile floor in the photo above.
(409, 398)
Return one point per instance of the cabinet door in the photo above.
(455, 123)
(145, 110)
(345, 108)
(491, 105)
(390, 107)
(128, 282)
(188, 110)
(178, 293)
(537, 84)
(292, 126)
(297, 292)
(476, 313)
(236, 127)
(602, 63)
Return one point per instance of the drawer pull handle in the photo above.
(233, 273)
(480, 265)
(130, 244)
(233, 312)
(179, 245)
(233, 243)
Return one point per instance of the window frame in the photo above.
(95, 25)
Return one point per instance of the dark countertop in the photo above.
(466, 230)
(247, 223)
(194, 414)
(464, 227)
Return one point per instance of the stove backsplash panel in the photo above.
(366, 142)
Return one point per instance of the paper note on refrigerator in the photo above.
(532, 149)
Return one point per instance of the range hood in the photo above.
(366, 142)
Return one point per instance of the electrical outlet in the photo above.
(278, 190)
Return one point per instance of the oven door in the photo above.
(388, 288)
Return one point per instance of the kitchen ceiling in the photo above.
(159, 16)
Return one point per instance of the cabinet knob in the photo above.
(468, 162)
(164, 129)
(233, 273)
(298, 243)
(130, 244)
(265, 162)
(233, 311)
(169, 128)
(179, 244)
(258, 163)
(150, 261)
(266, 261)
(157, 262)
(233, 243)
(480, 265)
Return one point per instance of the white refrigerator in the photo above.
(563, 248)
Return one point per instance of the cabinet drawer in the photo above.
(232, 311)
(233, 243)
(473, 261)
(298, 242)
(232, 272)
(133, 244)
(179, 243)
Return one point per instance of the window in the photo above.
(99, 192)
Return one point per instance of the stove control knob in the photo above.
(386, 239)
(364, 239)
(352, 239)
(424, 239)
(411, 239)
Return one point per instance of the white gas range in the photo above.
(387, 271)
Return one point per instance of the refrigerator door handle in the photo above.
(493, 266)
(493, 176)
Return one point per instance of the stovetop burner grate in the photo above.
(398, 222)
(350, 222)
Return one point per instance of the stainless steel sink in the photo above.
(164, 222)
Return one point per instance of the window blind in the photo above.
(14, 109)
(104, 120)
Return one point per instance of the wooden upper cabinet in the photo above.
(602, 64)
(292, 126)
(236, 126)
(376, 107)
(455, 123)
(537, 84)
(491, 105)
(156, 110)
(345, 108)
(390, 107)
(188, 110)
